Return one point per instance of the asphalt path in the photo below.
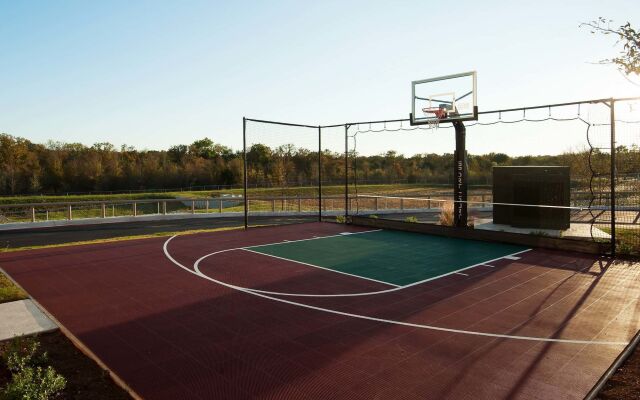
(77, 233)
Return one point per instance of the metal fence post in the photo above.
(103, 208)
(244, 161)
(220, 205)
(346, 170)
(33, 214)
(612, 106)
(69, 213)
(135, 209)
(319, 173)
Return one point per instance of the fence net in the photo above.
(333, 171)
(627, 187)
(406, 172)
(282, 173)
(544, 171)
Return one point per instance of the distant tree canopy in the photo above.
(629, 59)
(55, 167)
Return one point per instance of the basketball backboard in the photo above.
(444, 99)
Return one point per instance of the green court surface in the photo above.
(394, 257)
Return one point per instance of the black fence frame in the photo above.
(610, 102)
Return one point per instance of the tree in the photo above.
(628, 61)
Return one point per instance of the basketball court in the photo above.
(323, 310)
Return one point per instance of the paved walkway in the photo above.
(23, 317)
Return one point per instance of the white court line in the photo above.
(313, 238)
(460, 273)
(511, 258)
(350, 294)
(487, 265)
(386, 321)
(317, 266)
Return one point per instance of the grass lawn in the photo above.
(628, 241)
(389, 189)
(9, 291)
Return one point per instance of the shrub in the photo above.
(540, 233)
(341, 219)
(34, 383)
(446, 214)
(29, 379)
(23, 352)
(411, 219)
(373, 216)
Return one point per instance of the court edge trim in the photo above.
(387, 321)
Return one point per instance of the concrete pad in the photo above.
(23, 317)
(575, 231)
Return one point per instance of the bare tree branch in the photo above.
(629, 60)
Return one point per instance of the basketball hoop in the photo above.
(439, 114)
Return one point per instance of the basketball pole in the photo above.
(460, 176)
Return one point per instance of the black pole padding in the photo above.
(245, 175)
(460, 176)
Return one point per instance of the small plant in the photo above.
(471, 222)
(23, 352)
(35, 383)
(30, 380)
(540, 233)
(411, 219)
(446, 214)
(373, 216)
(341, 219)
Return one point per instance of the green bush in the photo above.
(30, 380)
(341, 219)
(411, 219)
(23, 352)
(34, 383)
(540, 233)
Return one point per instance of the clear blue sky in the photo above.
(157, 73)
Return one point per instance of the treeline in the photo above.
(55, 167)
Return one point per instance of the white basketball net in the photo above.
(434, 123)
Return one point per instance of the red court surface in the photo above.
(546, 325)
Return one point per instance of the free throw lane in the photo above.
(399, 258)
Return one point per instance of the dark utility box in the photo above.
(532, 185)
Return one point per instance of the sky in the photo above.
(152, 74)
